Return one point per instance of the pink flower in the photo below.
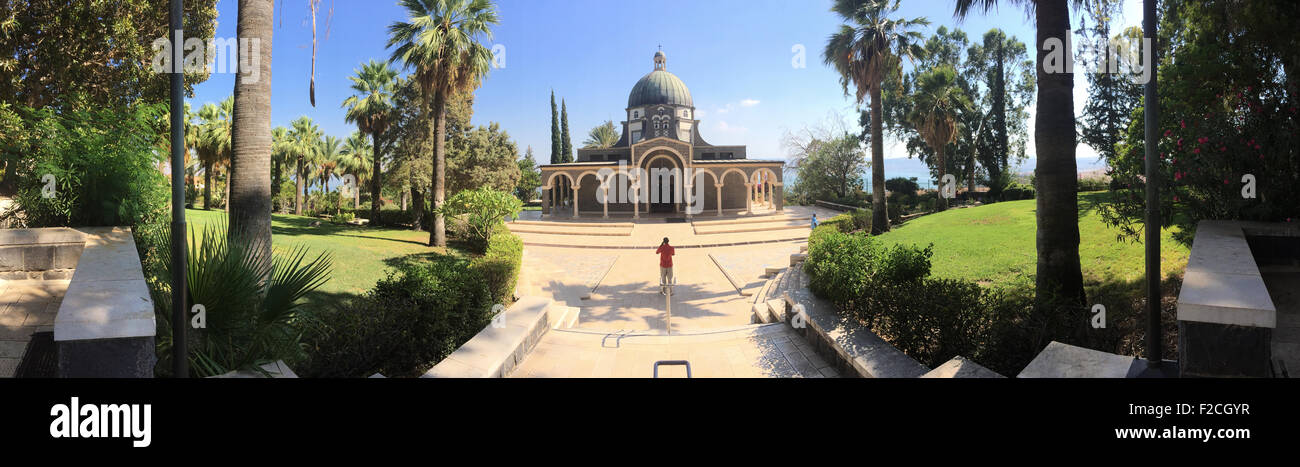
(1202, 140)
(1256, 147)
(1168, 132)
(1226, 182)
(1175, 198)
(1183, 124)
(1196, 151)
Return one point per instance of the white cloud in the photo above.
(724, 127)
(749, 102)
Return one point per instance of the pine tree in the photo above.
(566, 146)
(555, 133)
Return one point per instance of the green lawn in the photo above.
(362, 255)
(994, 244)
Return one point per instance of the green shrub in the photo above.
(104, 165)
(343, 217)
(839, 264)
(1016, 191)
(500, 264)
(252, 303)
(861, 219)
(481, 210)
(388, 217)
(410, 320)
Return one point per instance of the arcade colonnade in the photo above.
(568, 190)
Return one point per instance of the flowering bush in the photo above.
(1228, 130)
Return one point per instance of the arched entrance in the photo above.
(663, 183)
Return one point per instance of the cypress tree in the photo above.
(566, 146)
(555, 132)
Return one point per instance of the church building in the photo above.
(661, 164)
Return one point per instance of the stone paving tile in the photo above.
(12, 348)
(8, 366)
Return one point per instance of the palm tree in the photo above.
(441, 43)
(375, 85)
(603, 136)
(209, 117)
(864, 51)
(357, 161)
(281, 154)
(936, 106)
(248, 185)
(304, 146)
(193, 137)
(219, 136)
(331, 149)
(1059, 274)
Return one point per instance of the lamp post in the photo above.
(180, 363)
(1151, 113)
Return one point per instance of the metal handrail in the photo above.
(673, 363)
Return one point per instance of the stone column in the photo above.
(636, 200)
(605, 205)
(719, 187)
(546, 201)
(688, 200)
(749, 198)
(575, 201)
(779, 197)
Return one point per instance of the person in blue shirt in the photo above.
(814, 220)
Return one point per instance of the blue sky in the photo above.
(735, 56)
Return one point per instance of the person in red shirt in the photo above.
(665, 253)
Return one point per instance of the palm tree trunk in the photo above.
(299, 190)
(879, 207)
(225, 201)
(1059, 281)
(438, 237)
(248, 186)
(356, 194)
(207, 186)
(376, 178)
(943, 170)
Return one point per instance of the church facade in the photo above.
(661, 164)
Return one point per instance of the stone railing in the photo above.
(496, 350)
(105, 325)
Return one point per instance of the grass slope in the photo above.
(362, 255)
(994, 244)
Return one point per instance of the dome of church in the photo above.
(659, 87)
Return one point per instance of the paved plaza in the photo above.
(26, 307)
(624, 324)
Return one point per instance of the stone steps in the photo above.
(563, 316)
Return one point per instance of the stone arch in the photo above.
(743, 176)
(754, 176)
(581, 176)
(681, 159)
(550, 181)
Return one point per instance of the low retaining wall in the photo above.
(39, 254)
(850, 346)
(496, 350)
(105, 326)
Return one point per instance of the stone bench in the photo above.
(496, 350)
(105, 325)
(1225, 314)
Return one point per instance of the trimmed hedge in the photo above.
(889, 289)
(500, 264)
(416, 316)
